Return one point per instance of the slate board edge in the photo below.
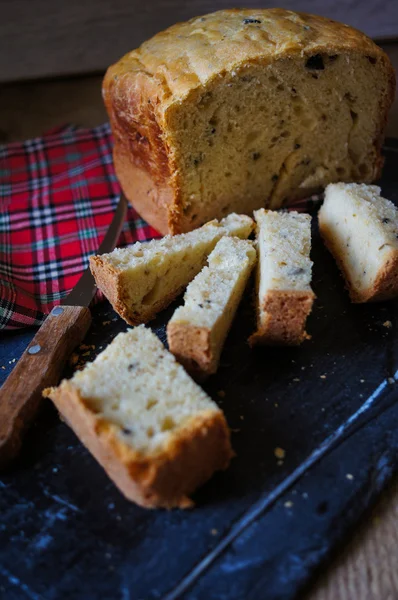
(345, 431)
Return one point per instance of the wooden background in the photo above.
(41, 38)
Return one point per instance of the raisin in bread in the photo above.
(154, 430)
(143, 279)
(197, 331)
(243, 109)
(284, 296)
(360, 228)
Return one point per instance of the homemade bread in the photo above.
(142, 279)
(197, 331)
(284, 296)
(243, 109)
(360, 228)
(154, 431)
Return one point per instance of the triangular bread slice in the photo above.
(284, 295)
(152, 428)
(196, 332)
(360, 228)
(141, 280)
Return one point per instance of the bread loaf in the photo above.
(154, 431)
(196, 332)
(284, 297)
(143, 279)
(243, 109)
(360, 228)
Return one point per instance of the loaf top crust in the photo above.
(191, 54)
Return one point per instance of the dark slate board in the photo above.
(260, 529)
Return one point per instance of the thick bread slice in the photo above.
(141, 280)
(196, 332)
(242, 109)
(284, 295)
(155, 432)
(360, 228)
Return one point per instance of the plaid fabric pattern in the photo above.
(58, 194)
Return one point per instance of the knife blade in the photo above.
(42, 362)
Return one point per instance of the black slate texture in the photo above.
(260, 529)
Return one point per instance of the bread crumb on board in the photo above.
(387, 324)
(349, 476)
(73, 359)
(280, 452)
(289, 504)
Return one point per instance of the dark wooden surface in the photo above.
(21, 393)
(43, 38)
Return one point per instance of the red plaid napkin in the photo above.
(58, 194)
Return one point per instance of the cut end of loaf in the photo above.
(155, 432)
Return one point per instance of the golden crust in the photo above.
(107, 279)
(150, 198)
(192, 348)
(141, 89)
(286, 315)
(191, 54)
(162, 479)
(385, 285)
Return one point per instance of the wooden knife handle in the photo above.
(40, 366)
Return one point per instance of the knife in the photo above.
(42, 362)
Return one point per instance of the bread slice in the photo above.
(242, 109)
(154, 431)
(360, 228)
(284, 295)
(141, 280)
(197, 331)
